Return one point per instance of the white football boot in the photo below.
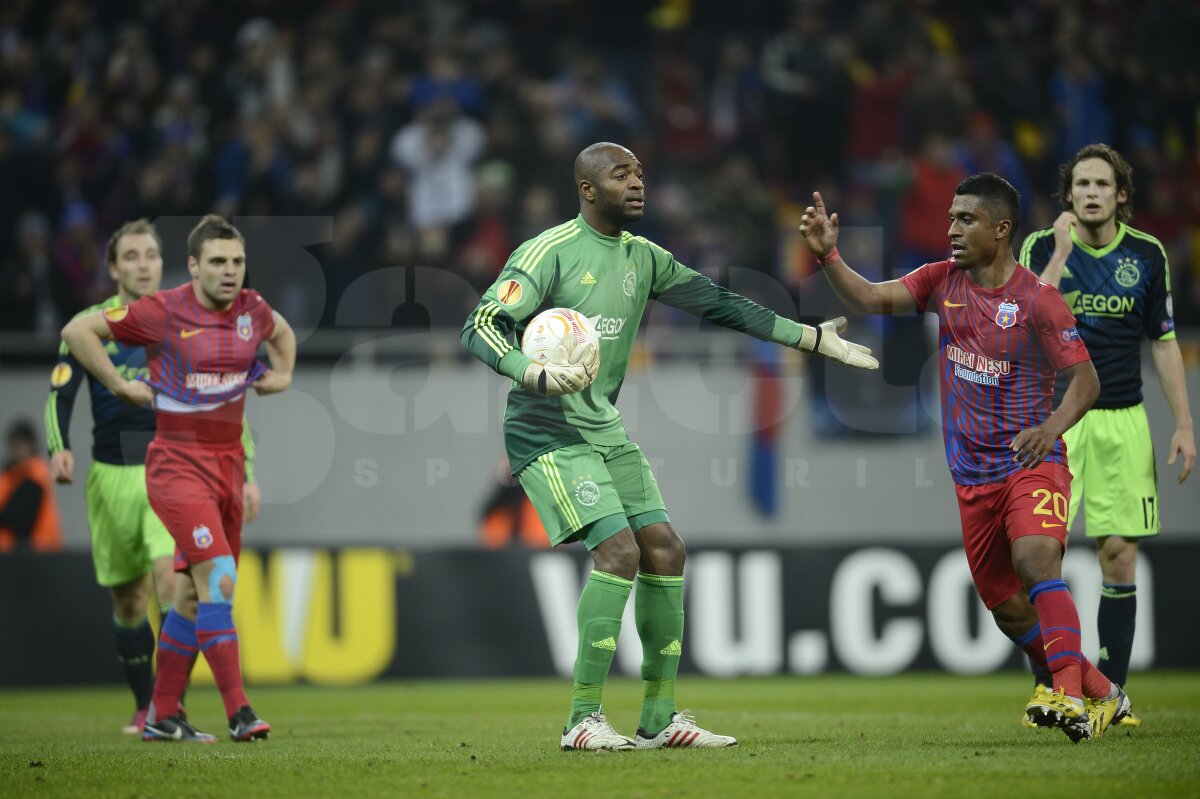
(681, 733)
(594, 732)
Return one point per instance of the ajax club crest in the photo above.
(587, 493)
(245, 328)
(1128, 273)
(1006, 314)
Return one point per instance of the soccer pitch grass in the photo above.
(922, 735)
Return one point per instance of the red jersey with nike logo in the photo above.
(999, 351)
(201, 362)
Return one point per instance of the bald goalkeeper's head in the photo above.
(611, 193)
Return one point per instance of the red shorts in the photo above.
(1028, 502)
(197, 492)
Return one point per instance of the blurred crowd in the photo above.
(442, 133)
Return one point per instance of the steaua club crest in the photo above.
(202, 536)
(245, 329)
(1006, 314)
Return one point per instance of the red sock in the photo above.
(1059, 621)
(219, 643)
(1095, 684)
(177, 648)
(1031, 642)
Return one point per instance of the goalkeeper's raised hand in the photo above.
(566, 372)
(824, 340)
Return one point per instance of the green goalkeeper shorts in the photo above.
(127, 536)
(1113, 475)
(590, 492)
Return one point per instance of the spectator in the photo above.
(438, 152)
(80, 258)
(29, 517)
(924, 217)
(805, 92)
(985, 151)
(735, 99)
(1081, 113)
(29, 301)
(489, 243)
(172, 109)
(445, 77)
(263, 79)
(597, 102)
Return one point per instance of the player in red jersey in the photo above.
(1003, 336)
(200, 340)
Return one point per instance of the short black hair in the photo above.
(1002, 200)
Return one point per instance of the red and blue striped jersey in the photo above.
(201, 361)
(999, 351)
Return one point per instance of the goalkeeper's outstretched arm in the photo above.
(820, 233)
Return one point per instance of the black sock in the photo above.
(1041, 673)
(1118, 613)
(135, 653)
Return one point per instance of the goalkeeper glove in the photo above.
(824, 340)
(564, 374)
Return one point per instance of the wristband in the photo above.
(832, 255)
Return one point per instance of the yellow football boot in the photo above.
(1039, 691)
(1062, 711)
(1107, 712)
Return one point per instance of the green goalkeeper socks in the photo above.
(658, 611)
(600, 608)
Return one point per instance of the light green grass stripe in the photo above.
(922, 735)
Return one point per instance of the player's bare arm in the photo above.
(819, 230)
(85, 335)
(281, 351)
(251, 501)
(1168, 363)
(1032, 445)
(1063, 245)
(62, 466)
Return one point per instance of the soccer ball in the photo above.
(550, 330)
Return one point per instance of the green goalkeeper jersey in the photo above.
(575, 266)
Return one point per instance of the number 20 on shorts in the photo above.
(1056, 498)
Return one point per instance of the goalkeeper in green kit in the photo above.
(566, 443)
